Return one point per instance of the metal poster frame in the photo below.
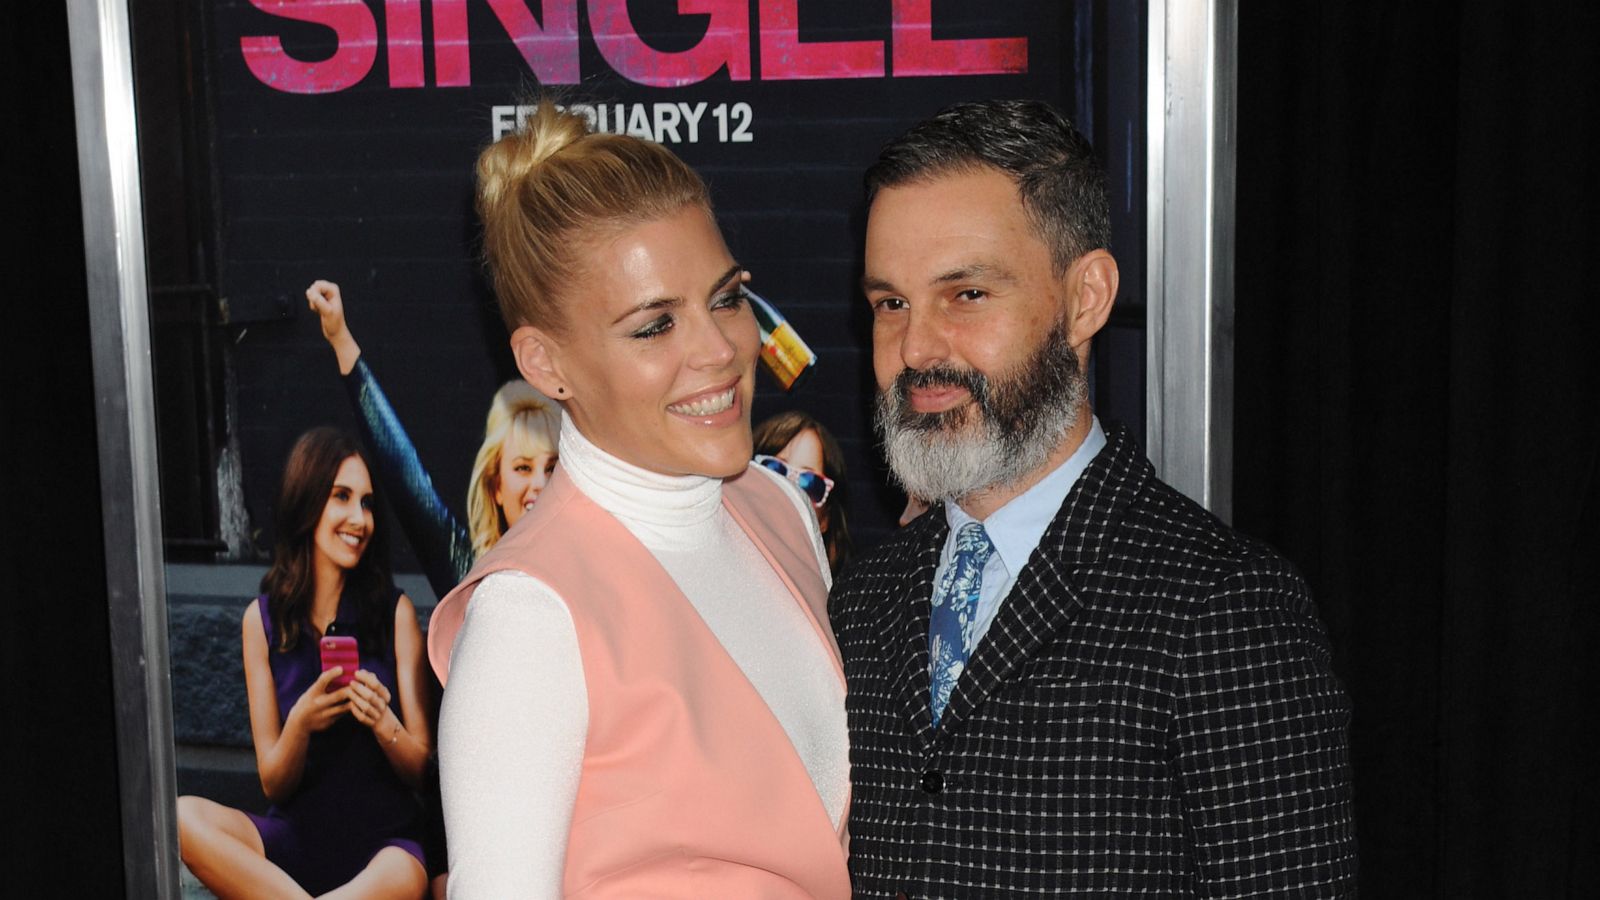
(1192, 48)
(1190, 220)
(119, 324)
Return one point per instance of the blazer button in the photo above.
(933, 781)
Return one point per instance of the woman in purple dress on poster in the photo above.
(339, 763)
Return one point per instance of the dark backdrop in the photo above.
(1416, 429)
(1417, 413)
(58, 760)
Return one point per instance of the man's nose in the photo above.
(924, 342)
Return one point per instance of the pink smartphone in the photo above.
(340, 650)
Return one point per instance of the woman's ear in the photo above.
(536, 360)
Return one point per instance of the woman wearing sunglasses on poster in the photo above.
(643, 696)
(339, 749)
(798, 447)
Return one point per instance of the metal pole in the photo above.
(1192, 89)
(113, 237)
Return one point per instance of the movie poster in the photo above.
(339, 138)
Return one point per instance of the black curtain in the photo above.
(1418, 403)
(58, 753)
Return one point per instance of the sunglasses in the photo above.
(816, 485)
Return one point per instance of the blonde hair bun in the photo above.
(550, 186)
(510, 160)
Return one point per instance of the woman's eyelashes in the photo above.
(662, 324)
(654, 328)
(731, 300)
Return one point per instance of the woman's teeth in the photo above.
(709, 406)
(350, 539)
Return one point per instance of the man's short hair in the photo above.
(1062, 185)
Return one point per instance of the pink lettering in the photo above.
(551, 49)
(357, 48)
(452, 49)
(917, 53)
(784, 56)
(403, 22)
(726, 43)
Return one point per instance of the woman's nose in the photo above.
(714, 346)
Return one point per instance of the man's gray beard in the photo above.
(1021, 418)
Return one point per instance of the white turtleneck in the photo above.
(513, 723)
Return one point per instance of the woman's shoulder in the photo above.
(259, 611)
(511, 607)
(515, 588)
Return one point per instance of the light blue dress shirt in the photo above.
(1016, 529)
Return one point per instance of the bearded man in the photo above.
(1066, 678)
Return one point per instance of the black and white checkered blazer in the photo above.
(1151, 713)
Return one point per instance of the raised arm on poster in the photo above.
(513, 464)
(338, 760)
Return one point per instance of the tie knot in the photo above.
(973, 541)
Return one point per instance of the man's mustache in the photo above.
(941, 376)
(895, 403)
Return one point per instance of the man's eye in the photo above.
(889, 304)
(972, 294)
(656, 328)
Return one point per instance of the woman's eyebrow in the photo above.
(727, 276)
(653, 303)
(673, 302)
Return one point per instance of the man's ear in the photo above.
(1092, 286)
(537, 361)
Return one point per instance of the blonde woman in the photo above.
(512, 467)
(643, 694)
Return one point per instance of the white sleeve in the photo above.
(511, 735)
(808, 515)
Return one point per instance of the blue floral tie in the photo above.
(955, 607)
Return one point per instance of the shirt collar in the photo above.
(1016, 528)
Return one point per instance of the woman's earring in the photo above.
(561, 390)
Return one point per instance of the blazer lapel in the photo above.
(903, 621)
(1041, 601)
(1047, 592)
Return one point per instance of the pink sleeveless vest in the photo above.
(690, 787)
